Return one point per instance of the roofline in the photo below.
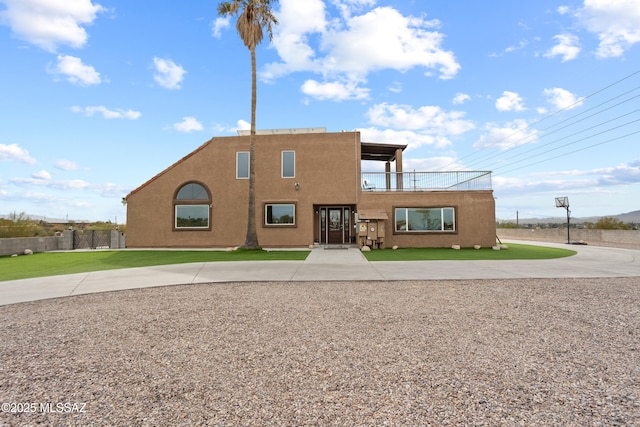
(191, 154)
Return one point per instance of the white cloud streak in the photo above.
(561, 98)
(13, 152)
(616, 23)
(75, 71)
(168, 74)
(337, 91)
(416, 127)
(461, 98)
(510, 101)
(49, 24)
(66, 165)
(107, 113)
(218, 25)
(506, 136)
(568, 47)
(346, 49)
(427, 118)
(43, 174)
(188, 124)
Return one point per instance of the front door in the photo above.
(336, 226)
(335, 223)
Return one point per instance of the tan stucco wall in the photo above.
(328, 174)
(327, 170)
(475, 217)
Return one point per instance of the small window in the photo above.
(192, 207)
(288, 164)
(424, 219)
(242, 165)
(280, 214)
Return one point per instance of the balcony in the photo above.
(426, 181)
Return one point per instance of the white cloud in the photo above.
(345, 50)
(395, 87)
(506, 136)
(628, 173)
(460, 98)
(385, 39)
(433, 164)
(218, 25)
(415, 127)
(168, 74)
(348, 7)
(615, 22)
(428, 119)
(43, 174)
(521, 45)
(510, 101)
(188, 124)
(336, 91)
(48, 24)
(561, 98)
(413, 139)
(75, 184)
(75, 71)
(66, 165)
(107, 113)
(14, 152)
(568, 47)
(588, 181)
(243, 125)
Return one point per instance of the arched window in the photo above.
(192, 207)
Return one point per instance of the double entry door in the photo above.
(335, 224)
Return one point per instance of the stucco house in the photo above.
(309, 189)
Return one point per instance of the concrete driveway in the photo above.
(329, 265)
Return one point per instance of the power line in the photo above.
(576, 151)
(539, 134)
(576, 133)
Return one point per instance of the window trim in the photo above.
(418, 232)
(175, 213)
(268, 225)
(282, 163)
(192, 202)
(248, 164)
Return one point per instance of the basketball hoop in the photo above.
(563, 202)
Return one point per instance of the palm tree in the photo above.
(253, 17)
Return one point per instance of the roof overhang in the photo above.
(379, 152)
(372, 214)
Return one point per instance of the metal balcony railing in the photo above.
(426, 181)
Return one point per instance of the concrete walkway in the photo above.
(329, 265)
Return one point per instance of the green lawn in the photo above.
(55, 263)
(515, 251)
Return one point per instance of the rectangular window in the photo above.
(280, 214)
(242, 165)
(288, 164)
(424, 219)
(192, 216)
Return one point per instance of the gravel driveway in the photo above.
(491, 352)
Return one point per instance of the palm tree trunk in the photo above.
(251, 240)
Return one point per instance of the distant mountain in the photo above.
(630, 217)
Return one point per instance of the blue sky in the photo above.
(98, 96)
